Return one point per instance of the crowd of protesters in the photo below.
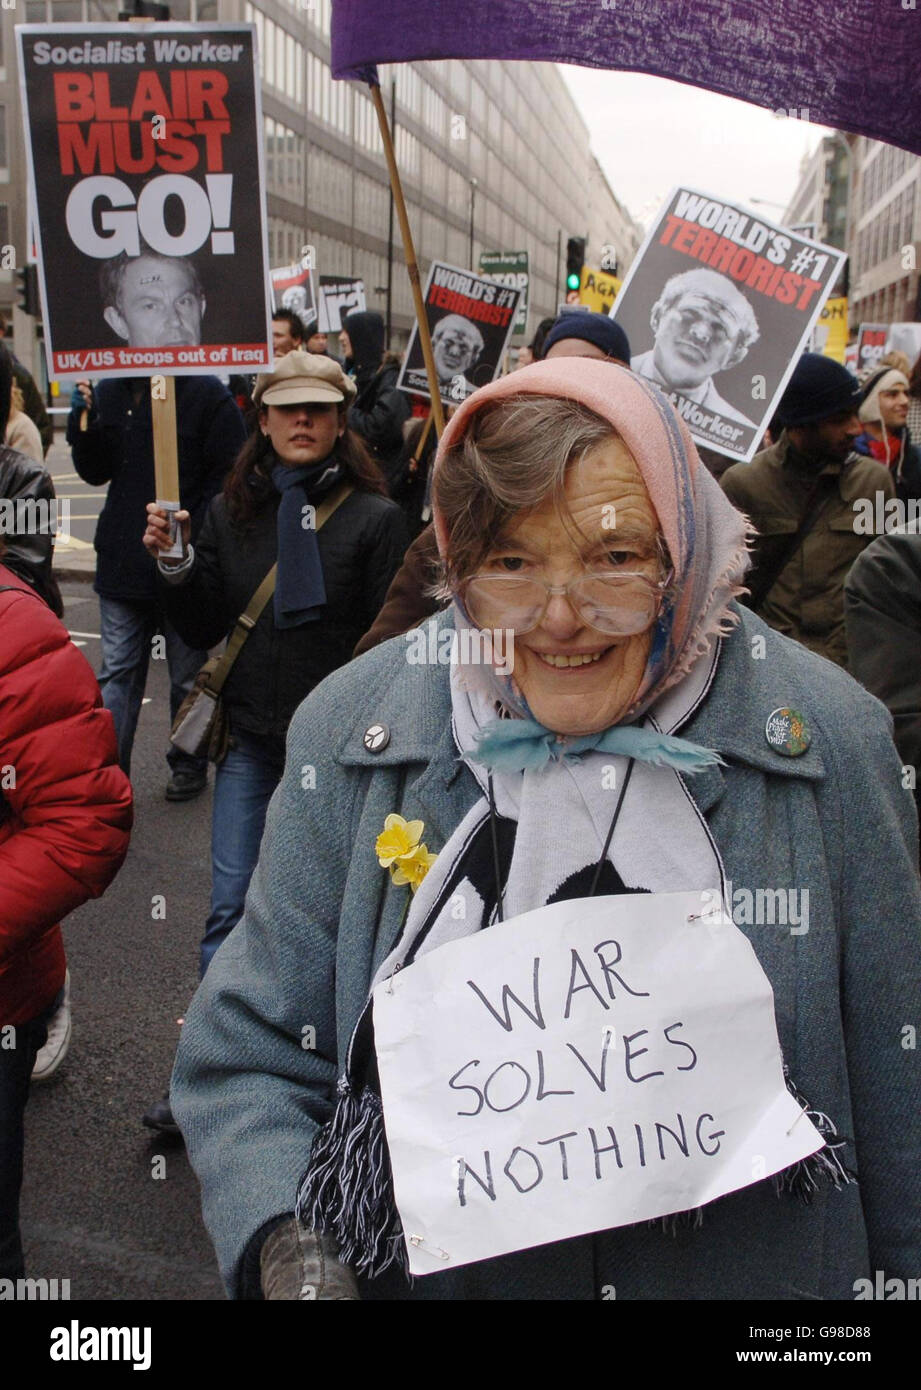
(335, 440)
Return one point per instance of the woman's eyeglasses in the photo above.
(619, 604)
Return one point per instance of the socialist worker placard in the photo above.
(718, 305)
(144, 147)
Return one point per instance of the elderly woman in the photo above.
(572, 511)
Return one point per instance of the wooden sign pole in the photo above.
(166, 456)
(165, 442)
(409, 252)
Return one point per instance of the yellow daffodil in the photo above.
(399, 837)
(412, 868)
(398, 849)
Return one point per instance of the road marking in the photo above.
(96, 635)
(78, 644)
(72, 543)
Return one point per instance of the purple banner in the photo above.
(854, 64)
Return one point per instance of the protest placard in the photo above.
(470, 319)
(905, 337)
(718, 305)
(871, 344)
(587, 1065)
(598, 290)
(338, 296)
(144, 147)
(830, 333)
(509, 268)
(293, 288)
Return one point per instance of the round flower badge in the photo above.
(398, 849)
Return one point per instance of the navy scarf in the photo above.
(300, 593)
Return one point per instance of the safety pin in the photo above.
(398, 966)
(796, 1122)
(420, 1240)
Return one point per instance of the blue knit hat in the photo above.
(591, 328)
(819, 387)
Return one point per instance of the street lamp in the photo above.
(473, 188)
(848, 190)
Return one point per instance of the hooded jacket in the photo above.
(379, 411)
(882, 606)
(28, 487)
(64, 822)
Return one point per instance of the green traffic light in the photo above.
(573, 281)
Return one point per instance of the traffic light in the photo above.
(27, 277)
(575, 260)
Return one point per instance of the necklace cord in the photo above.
(610, 834)
(497, 868)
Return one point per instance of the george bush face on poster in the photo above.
(456, 345)
(152, 300)
(702, 325)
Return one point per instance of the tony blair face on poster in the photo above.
(152, 300)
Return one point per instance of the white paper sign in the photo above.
(584, 1066)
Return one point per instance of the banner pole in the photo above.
(166, 456)
(409, 252)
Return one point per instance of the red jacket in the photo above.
(65, 804)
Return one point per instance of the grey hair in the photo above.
(514, 457)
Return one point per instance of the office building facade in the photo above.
(885, 236)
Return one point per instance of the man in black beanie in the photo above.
(587, 335)
(803, 496)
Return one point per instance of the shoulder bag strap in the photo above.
(248, 619)
(766, 579)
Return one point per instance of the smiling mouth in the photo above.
(561, 662)
(691, 348)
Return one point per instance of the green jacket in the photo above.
(321, 915)
(806, 601)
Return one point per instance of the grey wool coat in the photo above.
(321, 915)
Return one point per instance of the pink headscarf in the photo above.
(705, 534)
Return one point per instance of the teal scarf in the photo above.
(514, 745)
